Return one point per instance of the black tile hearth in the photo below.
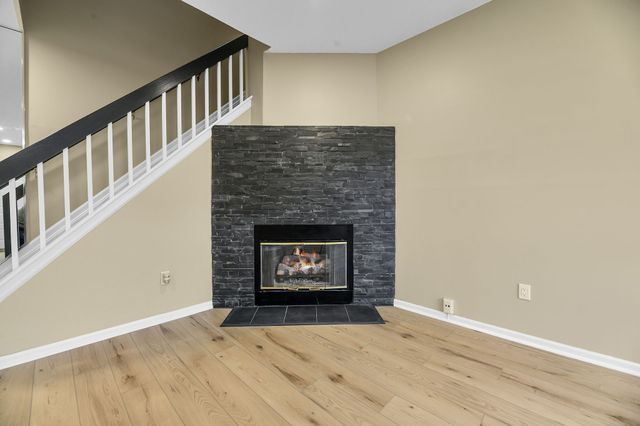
(332, 314)
(270, 315)
(362, 314)
(240, 316)
(302, 315)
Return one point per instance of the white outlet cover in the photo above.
(448, 306)
(165, 277)
(524, 291)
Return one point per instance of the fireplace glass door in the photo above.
(303, 266)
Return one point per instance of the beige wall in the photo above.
(255, 58)
(517, 161)
(517, 144)
(318, 89)
(7, 151)
(82, 55)
(112, 275)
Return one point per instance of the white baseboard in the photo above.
(33, 354)
(595, 358)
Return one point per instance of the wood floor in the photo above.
(412, 370)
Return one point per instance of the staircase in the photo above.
(31, 245)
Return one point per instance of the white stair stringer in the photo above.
(33, 260)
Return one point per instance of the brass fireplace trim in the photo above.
(304, 288)
(315, 243)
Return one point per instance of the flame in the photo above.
(306, 258)
(298, 251)
(302, 262)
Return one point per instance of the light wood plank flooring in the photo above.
(412, 370)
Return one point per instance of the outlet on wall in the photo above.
(165, 277)
(524, 291)
(448, 306)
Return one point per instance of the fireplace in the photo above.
(302, 175)
(303, 264)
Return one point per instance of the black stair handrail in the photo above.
(27, 159)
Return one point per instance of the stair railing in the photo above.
(16, 168)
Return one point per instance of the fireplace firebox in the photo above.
(303, 264)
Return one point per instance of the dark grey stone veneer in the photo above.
(303, 175)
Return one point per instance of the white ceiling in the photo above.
(338, 26)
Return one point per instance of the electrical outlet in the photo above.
(524, 291)
(448, 306)
(165, 277)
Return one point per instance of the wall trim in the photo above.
(557, 348)
(39, 352)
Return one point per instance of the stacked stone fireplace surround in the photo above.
(303, 175)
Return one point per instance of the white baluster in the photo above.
(147, 135)
(241, 70)
(13, 223)
(230, 83)
(41, 216)
(130, 147)
(179, 110)
(110, 158)
(89, 175)
(219, 89)
(206, 98)
(164, 126)
(193, 107)
(65, 186)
